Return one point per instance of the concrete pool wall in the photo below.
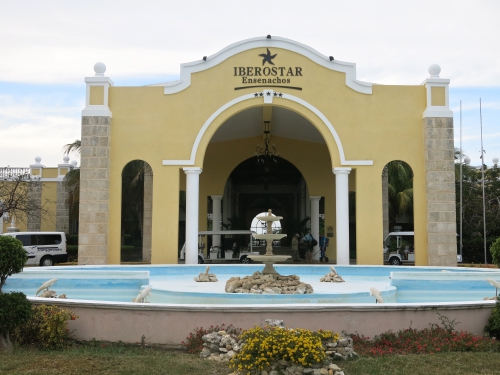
(170, 324)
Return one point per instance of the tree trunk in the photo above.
(5, 344)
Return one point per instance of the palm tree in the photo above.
(72, 182)
(400, 176)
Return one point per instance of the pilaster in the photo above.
(342, 214)
(147, 214)
(94, 190)
(62, 209)
(440, 192)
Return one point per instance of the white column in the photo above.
(216, 214)
(342, 214)
(192, 208)
(315, 224)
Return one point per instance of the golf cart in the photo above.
(399, 247)
(229, 251)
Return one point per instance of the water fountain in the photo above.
(177, 304)
(269, 259)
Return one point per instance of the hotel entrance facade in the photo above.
(266, 123)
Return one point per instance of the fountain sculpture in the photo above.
(269, 259)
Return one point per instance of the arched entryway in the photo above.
(136, 213)
(301, 188)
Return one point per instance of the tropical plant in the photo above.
(493, 326)
(12, 258)
(495, 252)
(72, 182)
(473, 216)
(133, 199)
(400, 187)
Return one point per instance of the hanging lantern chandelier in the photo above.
(267, 158)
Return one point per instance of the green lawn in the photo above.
(90, 360)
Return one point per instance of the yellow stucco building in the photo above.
(199, 134)
(47, 191)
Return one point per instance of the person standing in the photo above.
(308, 238)
(295, 248)
(323, 243)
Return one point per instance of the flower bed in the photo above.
(273, 348)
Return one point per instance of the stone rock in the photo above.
(224, 350)
(343, 342)
(49, 294)
(206, 277)
(275, 323)
(268, 284)
(212, 337)
(205, 353)
(334, 367)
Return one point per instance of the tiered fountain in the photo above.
(269, 259)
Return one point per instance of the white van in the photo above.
(43, 248)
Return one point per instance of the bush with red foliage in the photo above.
(423, 341)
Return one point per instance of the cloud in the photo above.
(28, 128)
(392, 42)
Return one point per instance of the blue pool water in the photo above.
(174, 284)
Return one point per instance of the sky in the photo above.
(47, 47)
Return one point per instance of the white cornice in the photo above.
(262, 42)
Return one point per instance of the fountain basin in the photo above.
(179, 305)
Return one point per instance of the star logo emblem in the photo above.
(267, 57)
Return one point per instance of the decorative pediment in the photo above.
(268, 72)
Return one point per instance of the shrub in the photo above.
(265, 346)
(72, 239)
(495, 252)
(12, 258)
(493, 326)
(422, 341)
(72, 253)
(15, 309)
(194, 342)
(473, 249)
(48, 327)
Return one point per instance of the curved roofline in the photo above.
(276, 42)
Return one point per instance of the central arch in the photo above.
(307, 110)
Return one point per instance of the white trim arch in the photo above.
(266, 99)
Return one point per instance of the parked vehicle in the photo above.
(399, 247)
(43, 248)
(223, 255)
